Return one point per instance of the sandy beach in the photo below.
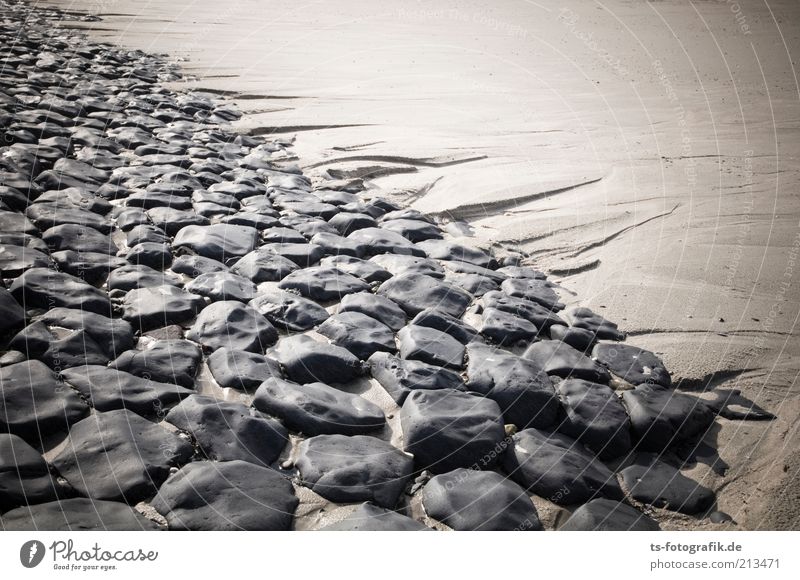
(643, 154)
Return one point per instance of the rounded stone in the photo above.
(416, 292)
(653, 482)
(74, 515)
(288, 311)
(241, 370)
(595, 416)
(371, 518)
(360, 334)
(31, 385)
(225, 496)
(377, 307)
(558, 468)
(159, 306)
(109, 389)
(307, 360)
(523, 391)
(119, 456)
(472, 500)
(317, 409)
(606, 515)
(445, 429)
(400, 377)
(322, 283)
(560, 359)
(227, 431)
(223, 286)
(431, 346)
(231, 324)
(633, 364)
(359, 468)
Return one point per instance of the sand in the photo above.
(645, 154)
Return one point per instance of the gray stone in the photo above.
(633, 364)
(585, 319)
(264, 265)
(442, 321)
(133, 277)
(521, 389)
(560, 359)
(159, 306)
(334, 245)
(322, 283)
(656, 483)
(578, 338)
(380, 241)
(360, 334)
(558, 468)
(431, 346)
(661, 417)
(445, 429)
(75, 515)
(64, 337)
(14, 260)
(223, 286)
(109, 389)
(354, 469)
(241, 370)
(307, 360)
(12, 315)
(79, 238)
(25, 477)
(399, 264)
(289, 311)
(446, 250)
(504, 328)
(119, 456)
(376, 307)
(317, 409)
(45, 288)
(400, 377)
(471, 500)
(167, 361)
(227, 431)
(93, 267)
(34, 404)
(371, 518)
(540, 316)
(595, 417)
(606, 515)
(416, 292)
(225, 496)
(221, 242)
(533, 290)
(193, 266)
(412, 229)
(364, 269)
(231, 324)
(153, 254)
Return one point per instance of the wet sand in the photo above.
(645, 154)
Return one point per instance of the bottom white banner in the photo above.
(367, 555)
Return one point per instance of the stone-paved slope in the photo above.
(155, 263)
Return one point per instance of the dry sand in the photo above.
(644, 153)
